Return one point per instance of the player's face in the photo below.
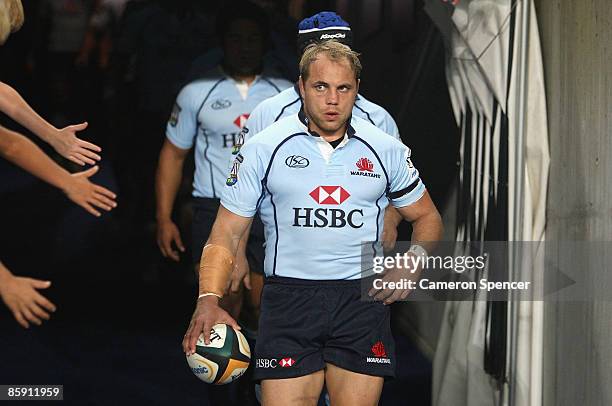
(243, 47)
(329, 95)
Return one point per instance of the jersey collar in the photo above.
(350, 131)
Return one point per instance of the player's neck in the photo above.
(328, 136)
(248, 78)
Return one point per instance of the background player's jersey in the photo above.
(288, 102)
(212, 111)
(318, 204)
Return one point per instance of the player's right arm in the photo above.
(180, 134)
(238, 206)
(218, 257)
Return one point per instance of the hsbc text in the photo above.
(319, 218)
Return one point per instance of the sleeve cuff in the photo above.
(236, 210)
(409, 198)
(177, 142)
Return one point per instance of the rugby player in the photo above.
(300, 175)
(211, 112)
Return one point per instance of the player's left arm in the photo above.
(413, 203)
(427, 230)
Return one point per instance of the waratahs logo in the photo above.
(364, 164)
(378, 350)
(380, 354)
(365, 168)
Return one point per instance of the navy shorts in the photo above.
(204, 214)
(305, 324)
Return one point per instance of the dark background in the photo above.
(122, 308)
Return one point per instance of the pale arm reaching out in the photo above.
(24, 153)
(64, 140)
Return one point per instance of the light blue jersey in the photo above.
(289, 102)
(318, 204)
(212, 111)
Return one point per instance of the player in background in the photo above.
(20, 293)
(315, 328)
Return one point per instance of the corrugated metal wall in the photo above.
(577, 46)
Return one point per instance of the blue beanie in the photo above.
(322, 26)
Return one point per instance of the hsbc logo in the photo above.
(274, 363)
(286, 362)
(241, 120)
(330, 195)
(333, 36)
(334, 218)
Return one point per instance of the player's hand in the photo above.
(88, 195)
(240, 274)
(388, 296)
(206, 315)
(167, 234)
(66, 143)
(389, 236)
(23, 300)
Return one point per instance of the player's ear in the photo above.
(301, 85)
(358, 82)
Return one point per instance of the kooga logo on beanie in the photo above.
(333, 36)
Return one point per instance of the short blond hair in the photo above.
(11, 18)
(334, 51)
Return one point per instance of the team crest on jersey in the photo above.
(240, 141)
(365, 167)
(408, 161)
(221, 104)
(232, 179)
(174, 116)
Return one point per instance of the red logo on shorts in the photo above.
(287, 362)
(378, 350)
(329, 194)
(364, 164)
(241, 120)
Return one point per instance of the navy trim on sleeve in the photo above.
(404, 191)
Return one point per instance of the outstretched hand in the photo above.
(23, 300)
(70, 147)
(88, 195)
